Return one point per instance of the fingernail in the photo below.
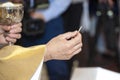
(8, 27)
(12, 27)
(75, 31)
(12, 31)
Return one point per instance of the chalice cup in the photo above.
(11, 14)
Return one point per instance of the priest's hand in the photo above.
(13, 33)
(64, 46)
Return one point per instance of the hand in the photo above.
(37, 15)
(17, 1)
(64, 46)
(111, 3)
(12, 36)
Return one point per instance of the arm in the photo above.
(56, 8)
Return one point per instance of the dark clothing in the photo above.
(106, 24)
(72, 17)
(57, 69)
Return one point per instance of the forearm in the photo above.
(56, 8)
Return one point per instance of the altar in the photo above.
(94, 73)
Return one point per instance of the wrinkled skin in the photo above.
(10, 33)
(64, 46)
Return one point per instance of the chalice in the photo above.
(10, 14)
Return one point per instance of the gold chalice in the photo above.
(11, 13)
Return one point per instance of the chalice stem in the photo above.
(10, 43)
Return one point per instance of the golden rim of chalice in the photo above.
(10, 4)
(10, 13)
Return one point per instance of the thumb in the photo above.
(70, 35)
(5, 28)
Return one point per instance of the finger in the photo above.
(5, 28)
(2, 39)
(1, 31)
(10, 39)
(16, 25)
(75, 48)
(15, 36)
(69, 35)
(35, 15)
(77, 51)
(16, 30)
(76, 40)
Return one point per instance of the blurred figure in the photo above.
(91, 31)
(106, 25)
(104, 14)
(42, 21)
(119, 34)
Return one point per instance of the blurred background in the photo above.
(101, 32)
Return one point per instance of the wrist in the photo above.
(47, 55)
